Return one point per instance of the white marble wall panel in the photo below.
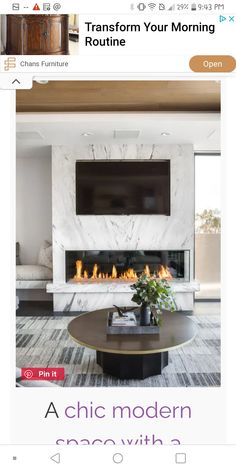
(71, 231)
(93, 301)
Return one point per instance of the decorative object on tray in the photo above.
(153, 295)
(122, 311)
(128, 323)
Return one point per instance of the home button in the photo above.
(117, 458)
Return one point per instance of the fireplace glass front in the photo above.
(97, 265)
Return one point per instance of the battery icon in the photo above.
(194, 7)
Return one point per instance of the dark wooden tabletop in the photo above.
(89, 330)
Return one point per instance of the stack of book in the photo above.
(128, 324)
(128, 319)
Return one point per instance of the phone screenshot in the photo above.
(117, 235)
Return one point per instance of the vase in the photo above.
(145, 314)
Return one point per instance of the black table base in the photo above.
(137, 366)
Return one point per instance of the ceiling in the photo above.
(35, 131)
(122, 95)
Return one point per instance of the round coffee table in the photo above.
(131, 356)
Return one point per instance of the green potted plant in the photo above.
(152, 292)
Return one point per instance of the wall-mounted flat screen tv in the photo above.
(123, 187)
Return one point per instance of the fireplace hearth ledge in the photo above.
(77, 297)
(114, 287)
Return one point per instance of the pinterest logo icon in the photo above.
(28, 374)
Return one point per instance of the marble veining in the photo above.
(121, 232)
(92, 301)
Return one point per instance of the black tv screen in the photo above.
(123, 187)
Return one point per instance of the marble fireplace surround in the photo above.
(119, 232)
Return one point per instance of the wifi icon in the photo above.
(152, 6)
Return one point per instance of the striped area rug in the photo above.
(44, 342)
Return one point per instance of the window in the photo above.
(207, 224)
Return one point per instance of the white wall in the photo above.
(33, 202)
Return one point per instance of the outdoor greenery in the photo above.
(208, 221)
(155, 292)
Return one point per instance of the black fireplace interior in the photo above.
(177, 262)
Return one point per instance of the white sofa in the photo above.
(35, 276)
(32, 276)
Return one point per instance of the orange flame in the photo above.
(79, 265)
(147, 271)
(95, 271)
(129, 274)
(164, 273)
(114, 272)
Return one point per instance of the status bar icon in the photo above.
(152, 6)
(56, 6)
(15, 6)
(141, 6)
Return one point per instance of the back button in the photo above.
(56, 458)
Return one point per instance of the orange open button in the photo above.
(212, 64)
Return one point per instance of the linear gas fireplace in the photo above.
(126, 266)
